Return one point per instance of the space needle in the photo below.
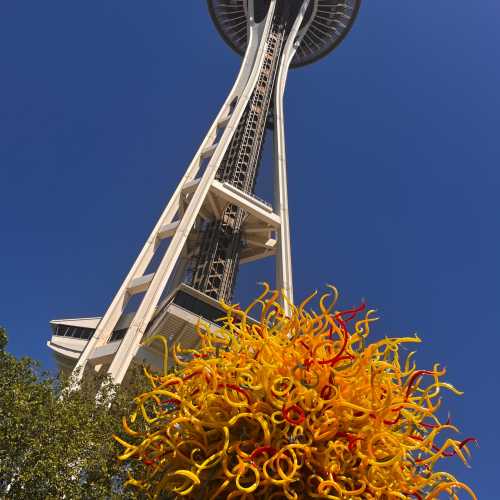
(214, 223)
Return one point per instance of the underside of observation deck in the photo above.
(325, 24)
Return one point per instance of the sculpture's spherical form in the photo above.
(299, 405)
(328, 23)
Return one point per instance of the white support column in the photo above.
(284, 279)
(229, 116)
(144, 314)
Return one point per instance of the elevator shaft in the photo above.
(215, 266)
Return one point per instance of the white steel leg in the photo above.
(284, 279)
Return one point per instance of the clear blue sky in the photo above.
(393, 144)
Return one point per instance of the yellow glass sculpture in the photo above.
(297, 406)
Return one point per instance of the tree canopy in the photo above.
(59, 447)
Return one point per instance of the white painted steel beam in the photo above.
(140, 284)
(284, 280)
(246, 202)
(255, 229)
(168, 230)
(248, 257)
(209, 151)
(223, 123)
(230, 194)
(268, 244)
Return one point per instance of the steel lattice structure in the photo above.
(214, 222)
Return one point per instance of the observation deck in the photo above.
(325, 25)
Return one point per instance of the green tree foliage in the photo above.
(59, 447)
